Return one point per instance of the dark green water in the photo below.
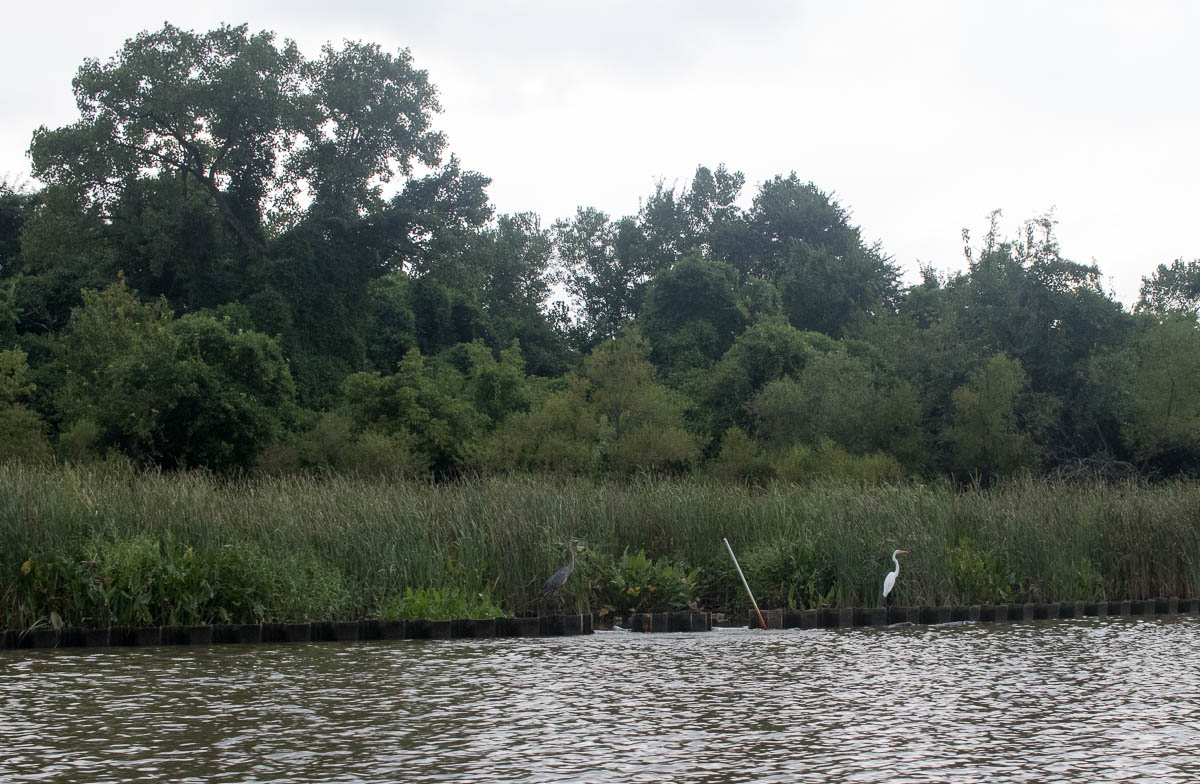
(1115, 700)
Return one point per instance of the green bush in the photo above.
(790, 573)
(981, 577)
(172, 392)
(803, 463)
(334, 444)
(151, 581)
(437, 604)
(740, 459)
(636, 583)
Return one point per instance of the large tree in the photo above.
(1172, 288)
(217, 110)
(800, 238)
(249, 122)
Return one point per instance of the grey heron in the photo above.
(559, 578)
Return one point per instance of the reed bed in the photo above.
(103, 544)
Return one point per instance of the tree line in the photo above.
(242, 258)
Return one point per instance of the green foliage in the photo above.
(22, 431)
(171, 241)
(435, 604)
(826, 292)
(1088, 581)
(617, 417)
(826, 460)
(986, 436)
(980, 577)
(380, 108)
(174, 392)
(16, 207)
(496, 389)
(842, 397)
(644, 417)
(691, 315)
(423, 405)
(105, 543)
(227, 111)
(1159, 376)
(791, 574)
(23, 435)
(766, 351)
(606, 285)
(637, 583)
(334, 444)
(1172, 289)
(141, 580)
(741, 459)
(561, 435)
(393, 323)
(263, 193)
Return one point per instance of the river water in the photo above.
(1078, 701)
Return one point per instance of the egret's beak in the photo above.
(904, 551)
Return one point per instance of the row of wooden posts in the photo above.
(321, 631)
(560, 625)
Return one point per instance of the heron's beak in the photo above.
(904, 551)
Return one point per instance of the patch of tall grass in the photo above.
(106, 544)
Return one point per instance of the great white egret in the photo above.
(890, 581)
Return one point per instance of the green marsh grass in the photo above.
(105, 544)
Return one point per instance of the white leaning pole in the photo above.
(737, 566)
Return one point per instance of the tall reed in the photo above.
(104, 544)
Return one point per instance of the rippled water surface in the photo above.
(1113, 700)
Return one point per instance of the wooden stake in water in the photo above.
(737, 566)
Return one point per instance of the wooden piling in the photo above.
(555, 625)
(286, 632)
(933, 615)
(1047, 611)
(690, 622)
(391, 630)
(137, 635)
(516, 627)
(187, 635)
(472, 628)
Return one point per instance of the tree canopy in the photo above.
(243, 258)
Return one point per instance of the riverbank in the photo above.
(105, 546)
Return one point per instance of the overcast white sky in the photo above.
(920, 117)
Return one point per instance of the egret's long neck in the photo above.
(896, 561)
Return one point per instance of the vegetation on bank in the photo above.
(107, 545)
